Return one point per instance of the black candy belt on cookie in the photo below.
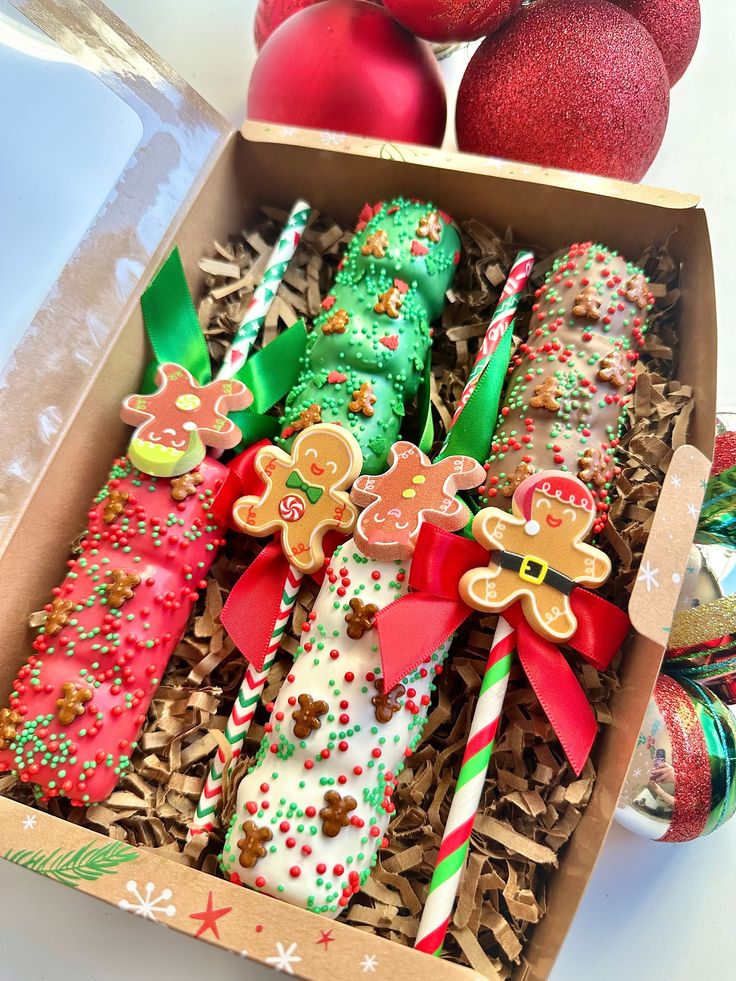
(533, 570)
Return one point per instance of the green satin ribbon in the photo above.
(424, 407)
(174, 333)
(172, 324)
(269, 374)
(473, 431)
(296, 482)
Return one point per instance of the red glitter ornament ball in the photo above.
(346, 65)
(271, 13)
(448, 20)
(577, 84)
(675, 27)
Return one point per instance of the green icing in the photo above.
(388, 354)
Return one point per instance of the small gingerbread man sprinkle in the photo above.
(72, 702)
(186, 485)
(363, 401)
(594, 467)
(614, 368)
(546, 395)
(360, 619)
(513, 480)
(114, 506)
(386, 704)
(430, 227)
(121, 586)
(376, 244)
(588, 304)
(390, 302)
(58, 616)
(304, 495)
(311, 416)
(253, 843)
(337, 323)
(306, 717)
(9, 720)
(336, 815)
(538, 554)
(637, 291)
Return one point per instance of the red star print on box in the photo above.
(209, 917)
(411, 491)
(325, 938)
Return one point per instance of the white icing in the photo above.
(291, 788)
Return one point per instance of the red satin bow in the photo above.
(241, 479)
(250, 612)
(431, 614)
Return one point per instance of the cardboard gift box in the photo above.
(191, 180)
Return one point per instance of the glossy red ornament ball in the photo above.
(675, 27)
(346, 65)
(271, 13)
(452, 20)
(577, 84)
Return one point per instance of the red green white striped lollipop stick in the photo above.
(454, 846)
(501, 321)
(205, 816)
(265, 292)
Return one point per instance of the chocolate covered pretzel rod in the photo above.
(79, 702)
(570, 380)
(366, 355)
(312, 811)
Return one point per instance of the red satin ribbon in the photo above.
(432, 613)
(241, 479)
(250, 612)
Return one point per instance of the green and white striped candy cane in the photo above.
(265, 292)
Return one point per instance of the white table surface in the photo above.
(651, 911)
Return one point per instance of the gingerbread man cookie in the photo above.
(304, 497)
(180, 419)
(413, 490)
(538, 554)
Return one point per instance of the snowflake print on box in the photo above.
(146, 903)
(658, 580)
(284, 960)
(648, 575)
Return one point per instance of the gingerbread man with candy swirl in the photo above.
(305, 496)
(538, 554)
